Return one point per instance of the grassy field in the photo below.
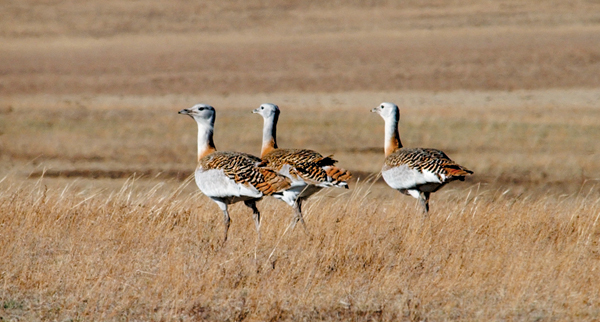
(100, 222)
(148, 252)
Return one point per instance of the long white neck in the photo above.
(269, 139)
(206, 145)
(392, 137)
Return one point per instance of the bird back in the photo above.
(309, 165)
(244, 169)
(432, 160)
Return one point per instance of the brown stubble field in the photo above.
(98, 221)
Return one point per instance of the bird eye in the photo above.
(201, 108)
(381, 107)
(262, 107)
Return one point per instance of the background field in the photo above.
(98, 222)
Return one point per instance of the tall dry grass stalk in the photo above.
(153, 252)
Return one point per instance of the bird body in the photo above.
(304, 165)
(308, 171)
(217, 176)
(414, 171)
(230, 177)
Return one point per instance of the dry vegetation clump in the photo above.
(153, 252)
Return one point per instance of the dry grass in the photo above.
(89, 92)
(153, 253)
(518, 241)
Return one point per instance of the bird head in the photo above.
(388, 111)
(200, 113)
(267, 110)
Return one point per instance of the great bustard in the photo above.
(229, 177)
(414, 171)
(308, 170)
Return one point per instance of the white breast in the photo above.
(214, 183)
(403, 177)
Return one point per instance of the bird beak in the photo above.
(255, 110)
(374, 110)
(185, 111)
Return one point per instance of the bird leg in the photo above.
(255, 215)
(298, 215)
(424, 198)
(227, 222)
(226, 219)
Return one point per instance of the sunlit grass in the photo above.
(153, 252)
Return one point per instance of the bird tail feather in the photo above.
(272, 182)
(455, 170)
(338, 175)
